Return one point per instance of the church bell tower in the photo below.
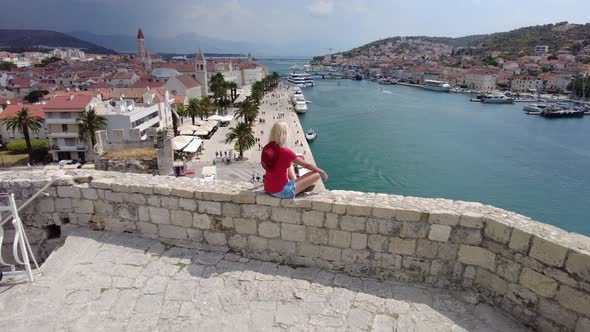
(201, 73)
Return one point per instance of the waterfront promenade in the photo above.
(275, 106)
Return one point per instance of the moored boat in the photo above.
(556, 112)
(311, 134)
(497, 99)
(434, 85)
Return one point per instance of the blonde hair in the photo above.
(279, 133)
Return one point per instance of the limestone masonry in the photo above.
(538, 274)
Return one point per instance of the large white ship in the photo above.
(437, 85)
(298, 100)
(302, 80)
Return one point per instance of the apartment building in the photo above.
(61, 117)
(527, 84)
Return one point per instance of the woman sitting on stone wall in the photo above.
(280, 179)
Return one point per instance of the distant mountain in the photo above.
(45, 39)
(181, 44)
(511, 43)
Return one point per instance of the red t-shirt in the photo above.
(276, 179)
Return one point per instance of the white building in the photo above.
(68, 54)
(539, 49)
(184, 85)
(481, 81)
(526, 84)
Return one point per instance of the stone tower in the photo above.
(142, 52)
(201, 73)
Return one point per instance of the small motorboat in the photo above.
(310, 135)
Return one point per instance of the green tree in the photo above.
(205, 107)
(233, 88)
(243, 134)
(88, 123)
(7, 65)
(182, 112)
(35, 95)
(23, 122)
(193, 108)
(248, 110)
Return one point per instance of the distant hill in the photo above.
(181, 44)
(45, 39)
(511, 43)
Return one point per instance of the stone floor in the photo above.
(100, 281)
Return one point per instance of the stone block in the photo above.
(389, 261)
(64, 205)
(402, 246)
(296, 203)
(83, 206)
(266, 199)
(583, 324)
(147, 228)
(182, 218)
(519, 241)
(162, 190)
(477, 256)
(529, 262)
(448, 218)
(244, 197)
(210, 207)
(557, 313)
(313, 218)
(89, 193)
(330, 254)
(286, 215)
(471, 220)
(447, 251)
(427, 249)
(182, 192)
(154, 201)
(256, 243)
(281, 246)
(490, 281)
(194, 234)
(415, 230)
(146, 189)
(574, 300)
(173, 232)
(507, 269)
(144, 213)
(128, 212)
(245, 226)
(231, 210)
(416, 266)
(321, 204)
(216, 196)
(358, 210)
(464, 235)
(238, 241)
(292, 232)
(120, 187)
(201, 221)
(383, 212)
(548, 252)
(187, 204)
(69, 192)
(226, 223)
(169, 202)
(104, 183)
(358, 241)
(538, 283)
(578, 264)
(561, 276)
(111, 196)
(339, 208)
(408, 215)
(159, 215)
(255, 212)
(269, 229)
(340, 239)
(317, 235)
(308, 250)
(440, 233)
(46, 205)
(332, 220)
(522, 295)
(378, 243)
(138, 199)
(497, 230)
(215, 238)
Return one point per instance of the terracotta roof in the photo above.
(72, 103)
(12, 101)
(128, 93)
(34, 110)
(188, 81)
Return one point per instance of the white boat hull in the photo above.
(437, 88)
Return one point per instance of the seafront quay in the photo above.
(211, 252)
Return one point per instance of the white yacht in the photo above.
(298, 100)
(496, 99)
(301, 80)
(437, 85)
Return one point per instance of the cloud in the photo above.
(321, 7)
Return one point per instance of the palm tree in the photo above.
(248, 110)
(218, 86)
(275, 78)
(89, 122)
(205, 107)
(233, 88)
(23, 122)
(194, 104)
(178, 110)
(243, 135)
(182, 112)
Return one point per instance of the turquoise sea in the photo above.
(408, 141)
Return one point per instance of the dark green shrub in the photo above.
(20, 146)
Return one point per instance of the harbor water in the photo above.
(409, 141)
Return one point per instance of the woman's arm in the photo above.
(301, 162)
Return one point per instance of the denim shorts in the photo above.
(287, 192)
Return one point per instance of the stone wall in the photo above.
(537, 273)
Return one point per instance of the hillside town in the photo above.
(414, 60)
(132, 92)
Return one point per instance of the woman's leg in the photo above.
(292, 175)
(305, 181)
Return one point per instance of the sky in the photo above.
(290, 27)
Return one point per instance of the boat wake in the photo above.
(385, 91)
